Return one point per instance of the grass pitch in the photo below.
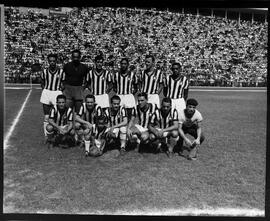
(229, 172)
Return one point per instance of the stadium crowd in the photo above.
(212, 50)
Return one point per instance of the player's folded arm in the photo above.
(122, 124)
(70, 125)
(180, 130)
(172, 128)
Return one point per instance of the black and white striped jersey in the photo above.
(163, 121)
(99, 81)
(61, 117)
(125, 82)
(115, 117)
(89, 115)
(52, 80)
(176, 86)
(144, 117)
(150, 81)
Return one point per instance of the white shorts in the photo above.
(179, 104)
(121, 129)
(127, 100)
(49, 97)
(154, 99)
(102, 100)
(140, 128)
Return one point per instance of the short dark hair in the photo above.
(143, 94)
(76, 51)
(124, 59)
(115, 97)
(176, 63)
(99, 57)
(90, 96)
(192, 101)
(167, 100)
(61, 96)
(51, 55)
(150, 56)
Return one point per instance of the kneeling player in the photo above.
(97, 138)
(60, 121)
(138, 133)
(85, 119)
(164, 126)
(190, 123)
(117, 118)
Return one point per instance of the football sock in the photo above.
(87, 145)
(45, 123)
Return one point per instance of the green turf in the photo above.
(229, 172)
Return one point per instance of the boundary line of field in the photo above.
(15, 121)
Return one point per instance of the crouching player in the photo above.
(98, 137)
(190, 123)
(163, 127)
(60, 123)
(85, 120)
(138, 133)
(117, 119)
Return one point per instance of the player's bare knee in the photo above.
(87, 137)
(152, 137)
(133, 137)
(86, 131)
(72, 132)
(77, 125)
(174, 134)
(144, 137)
(123, 130)
(49, 128)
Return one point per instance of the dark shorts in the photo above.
(73, 92)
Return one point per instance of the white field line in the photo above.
(231, 212)
(201, 90)
(15, 121)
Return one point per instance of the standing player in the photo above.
(151, 80)
(176, 87)
(163, 125)
(85, 119)
(117, 119)
(75, 79)
(139, 132)
(51, 83)
(60, 120)
(99, 81)
(190, 123)
(125, 82)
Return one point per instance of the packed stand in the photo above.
(212, 51)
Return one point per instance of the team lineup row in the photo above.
(98, 122)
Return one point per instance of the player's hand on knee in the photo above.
(129, 133)
(188, 142)
(160, 134)
(89, 126)
(61, 131)
(197, 141)
(152, 137)
(144, 137)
